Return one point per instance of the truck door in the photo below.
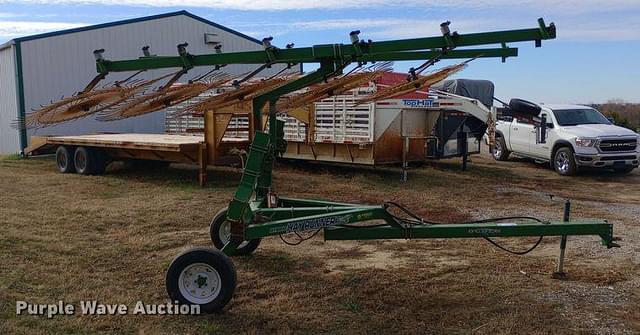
(542, 150)
(521, 129)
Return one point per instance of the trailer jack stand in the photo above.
(559, 273)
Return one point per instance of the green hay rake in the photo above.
(207, 277)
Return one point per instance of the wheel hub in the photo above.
(562, 162)
(497, 150)
(81, 161)
(199, 283)
(225, 234)
(62, 161)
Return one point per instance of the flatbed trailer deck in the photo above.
(176, 148)
(152, 142)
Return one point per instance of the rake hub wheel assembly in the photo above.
(220, 232)
(203, 277)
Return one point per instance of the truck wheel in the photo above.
(624, 170)
(220, 232)
(65, 160)
(500, 152)
(564, 162)
(84, 161)
(203, 277)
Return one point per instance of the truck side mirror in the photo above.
(550, 125)
(612, 120)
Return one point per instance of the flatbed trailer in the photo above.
(90, 154)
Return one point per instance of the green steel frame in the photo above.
(256, 212)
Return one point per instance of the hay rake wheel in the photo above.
(232, 96)
(420, 83)
(85, 103)
(331, 88)
(163, 98)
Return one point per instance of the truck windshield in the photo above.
(574, 117)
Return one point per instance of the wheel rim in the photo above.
(497, 150)
(200, 283)
(81, 161)
(562, 162)
(225, 234)
(62, 161)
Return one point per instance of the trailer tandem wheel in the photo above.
(89, 161)
(220, 232)
(202, 276)
(65, 159)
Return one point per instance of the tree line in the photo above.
(624, 114)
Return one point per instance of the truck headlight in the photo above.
(585, 141)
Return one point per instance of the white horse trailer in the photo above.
(414, 128)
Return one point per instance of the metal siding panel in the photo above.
(9, 137)
(62, 65)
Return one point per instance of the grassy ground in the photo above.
(111, 238)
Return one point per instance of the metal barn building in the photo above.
(38, 69)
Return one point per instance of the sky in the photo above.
(593, 59)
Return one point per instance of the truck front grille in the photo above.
(618, 145)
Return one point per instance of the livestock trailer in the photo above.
(442, 123)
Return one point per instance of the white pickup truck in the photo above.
(574, 136)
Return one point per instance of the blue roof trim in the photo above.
(141, 19)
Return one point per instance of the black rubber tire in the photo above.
(90, 161)
(83, 159)
(571, 168)
(216, 259)
(625, 170)
(500, 152)
(524, 107)
(65, 159)
(215, 230)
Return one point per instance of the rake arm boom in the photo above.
(406, 49)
